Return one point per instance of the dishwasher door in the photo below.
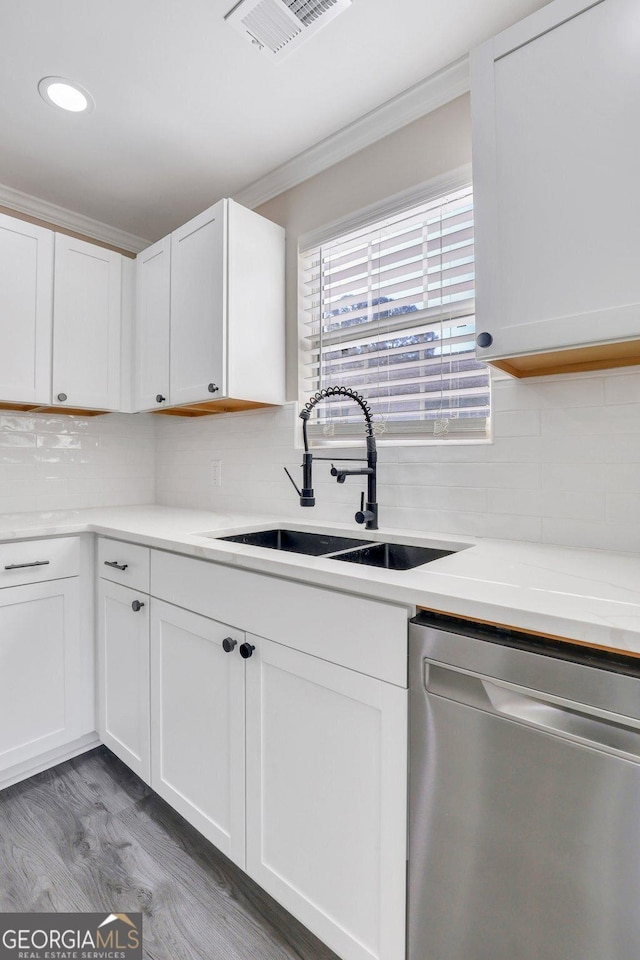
(524, 812)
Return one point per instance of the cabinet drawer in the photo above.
(365, 635)
(33, 561)
(125, 563)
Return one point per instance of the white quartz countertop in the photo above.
(585, 595)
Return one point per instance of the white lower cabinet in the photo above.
(123, 671)
(197, 723)
(295, 767)
(326, 798)
(42, 677)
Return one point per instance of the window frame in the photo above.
(402, 432)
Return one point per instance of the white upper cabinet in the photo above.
(207, 332)
(198, 307)
(153, 291)
(556, 155)
(255, 307)
(26, 311)
(210, 313)
(87, 312)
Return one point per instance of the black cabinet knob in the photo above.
(212, 388)
(228, 644)
(137, 605)
(160, 398)
(62, 397)
(484, 339)
(246, 649)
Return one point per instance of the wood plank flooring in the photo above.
(89, 835)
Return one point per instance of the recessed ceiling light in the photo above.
(58, 92)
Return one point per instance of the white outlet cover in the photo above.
(216, 473)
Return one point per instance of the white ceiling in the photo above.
(186, 110)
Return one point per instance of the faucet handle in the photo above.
(297, 488)
(340, 475)
(361, 515)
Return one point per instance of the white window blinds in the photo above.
(388, 310)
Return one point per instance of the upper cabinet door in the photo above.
(153, 317)
(26, 302)
(556, 160)
(87, 308)
(198, 308)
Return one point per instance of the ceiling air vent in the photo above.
(276, 27)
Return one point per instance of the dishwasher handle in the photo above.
(591, 726)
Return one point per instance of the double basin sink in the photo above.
(388, 556)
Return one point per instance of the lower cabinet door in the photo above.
(41, 670)
(123, 657)
(326, 798)
(198, 723)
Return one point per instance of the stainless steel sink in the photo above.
(393, 556)
(293, 541)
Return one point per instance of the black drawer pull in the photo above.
(19, 566)
(116, 565)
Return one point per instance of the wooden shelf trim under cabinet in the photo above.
(208, 407)
(533, 633)
(38, 408)
(598, 356)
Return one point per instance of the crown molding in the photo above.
(428, 95)
(69, 219)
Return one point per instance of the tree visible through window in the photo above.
(389, 311)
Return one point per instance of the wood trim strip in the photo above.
(533, 633)
(599, 356)
(209, 407)
(38, 408)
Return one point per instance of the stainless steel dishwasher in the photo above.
(524, 797)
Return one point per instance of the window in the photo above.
(388, 309)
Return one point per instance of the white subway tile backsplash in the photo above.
(612, 419)
(623, 508)
(464, 499)
(548, 503)
(516, 450)
(517, 423)
(61, 463)
(625, 388)
(596, 535)
(612, 477)
(563, 467)
(548, 394)
(567, 449)
(475, 452)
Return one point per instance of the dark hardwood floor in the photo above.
(89, 835)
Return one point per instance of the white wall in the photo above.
(60, 462)
(564, 468)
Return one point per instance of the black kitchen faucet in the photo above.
(368, 513)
